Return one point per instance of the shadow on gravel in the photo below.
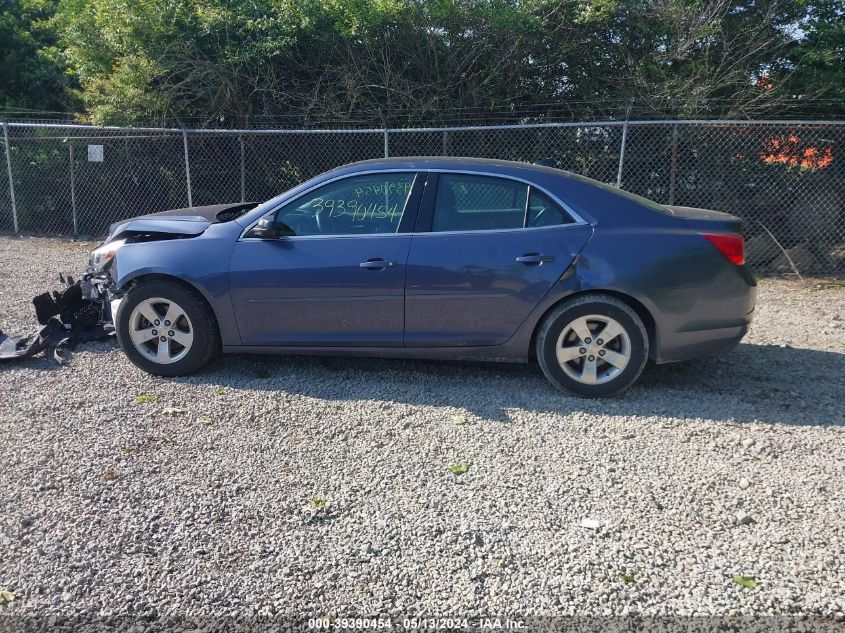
(762, 383)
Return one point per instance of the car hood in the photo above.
(187, 221)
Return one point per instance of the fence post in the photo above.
(445, 143)
(622, 154)
(73, 191)
(187, 167)
(11, 181)
(673, 172)
(386, 152)
(243, 170)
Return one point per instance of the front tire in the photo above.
(592, 346)
(166, 328)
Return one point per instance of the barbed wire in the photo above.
(554, 111)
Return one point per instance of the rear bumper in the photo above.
(717, 318)
(701, 344)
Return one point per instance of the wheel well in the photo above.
(175, 280)
(635, 305)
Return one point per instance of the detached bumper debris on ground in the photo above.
(79, 313)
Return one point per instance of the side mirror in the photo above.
(268, 228)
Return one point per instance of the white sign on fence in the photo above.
(95, 153)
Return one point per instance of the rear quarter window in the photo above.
(543, 211)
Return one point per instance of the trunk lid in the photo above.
(707, 219)
(722, 230)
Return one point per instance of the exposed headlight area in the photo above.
(102, 256)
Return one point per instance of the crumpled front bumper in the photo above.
(98, 285)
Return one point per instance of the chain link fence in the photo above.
(785, 179)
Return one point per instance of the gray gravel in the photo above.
(272, 485)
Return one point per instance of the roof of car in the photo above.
(578, 187)
(450, 162)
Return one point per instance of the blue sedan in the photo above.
(444, 258)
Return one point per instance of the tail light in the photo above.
(730, 245)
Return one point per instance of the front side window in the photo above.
(478, 203)
(372, 203)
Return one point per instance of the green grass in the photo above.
(459, 468)
(749, 582)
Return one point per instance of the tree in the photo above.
(811, 73)
(33, 75)
(411, 62)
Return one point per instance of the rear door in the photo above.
(339, 280)
(486, 250)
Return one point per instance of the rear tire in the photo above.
(593, 346)
(166, 328)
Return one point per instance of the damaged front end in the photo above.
(85, 308)
(176, 224)
(97, 284)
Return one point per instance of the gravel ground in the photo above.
(272, 485)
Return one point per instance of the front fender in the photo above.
(202, 262)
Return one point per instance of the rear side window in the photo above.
(478, 203)
(487, 203)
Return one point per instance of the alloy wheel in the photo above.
(161, 330)
(593, 349)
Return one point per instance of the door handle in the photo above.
(534, 258)
(377, 264)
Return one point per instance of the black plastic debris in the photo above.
(76, 314)
(12, 347)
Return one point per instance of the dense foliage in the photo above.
(32, 73)
(402, 62)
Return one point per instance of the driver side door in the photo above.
(339, 279)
